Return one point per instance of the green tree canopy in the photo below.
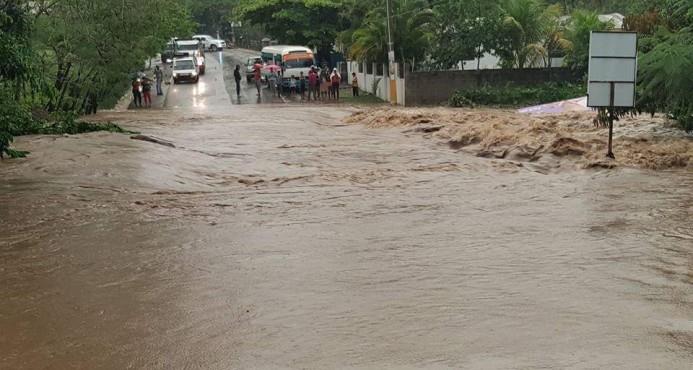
(212, 16)
(90, 48)
(411, 21)
(582, 22)
(463, 30)
(303, 22)
(15, 31)
(522, 31)
(665, 65)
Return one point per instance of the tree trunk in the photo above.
(64, 83)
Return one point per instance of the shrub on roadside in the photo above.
(512, 96)
(68, 123)
(17, 120)
(665, 78)
(13, 117)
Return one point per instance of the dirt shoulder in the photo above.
(553, 141)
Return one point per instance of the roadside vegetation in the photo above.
(64, 59)
(516, 96)
(361, 100)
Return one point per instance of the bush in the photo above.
(665, 78)
(68, 123)
(17, 120)
(511, 96)
(13, 118)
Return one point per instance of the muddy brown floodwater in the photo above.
(278, 237)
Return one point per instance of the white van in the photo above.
(292, 59)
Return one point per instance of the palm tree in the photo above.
(410, 22)
(370, 42)
(555, 42)
(523, 30)
(582, 22)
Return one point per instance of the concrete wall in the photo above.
(432, 88)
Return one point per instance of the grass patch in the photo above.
(363, 99)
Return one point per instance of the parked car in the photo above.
(186, 69)
(168, 52)
(249, 70)
(188, 48)
(210, 43)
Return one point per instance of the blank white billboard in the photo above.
(598, 94)
(613, 59)
(614, 44)
(606, 69)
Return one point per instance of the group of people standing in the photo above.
(142, 88)
(323, 85)
(319, 84)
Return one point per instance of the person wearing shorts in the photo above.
(147, 91)
(136, 93)
(354, 84)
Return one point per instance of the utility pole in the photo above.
(391, 52)
(391, 55)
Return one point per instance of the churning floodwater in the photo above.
(276, 237)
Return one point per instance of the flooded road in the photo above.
(274, 236)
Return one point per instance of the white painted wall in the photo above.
(366, 82)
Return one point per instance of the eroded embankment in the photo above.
(641, 142)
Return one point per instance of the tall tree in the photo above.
(411, 20)
(463, 30)
(212, 16)
(521, 33)
(15, 33)
(555, 43)
(15, 69)
(581, 23)
(304, 22)
(90, 48)
(665, 66)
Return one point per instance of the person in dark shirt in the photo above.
(159, 76)
(237, 77)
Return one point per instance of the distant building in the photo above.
(615, 18)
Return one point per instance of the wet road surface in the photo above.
(273, 236)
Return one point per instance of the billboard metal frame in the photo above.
(612, 102)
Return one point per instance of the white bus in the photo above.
(292, 59)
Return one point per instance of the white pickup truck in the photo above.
(210, 43)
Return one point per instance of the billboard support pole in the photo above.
(610, 152)
(613, 76)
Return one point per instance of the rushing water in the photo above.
(274, 237)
